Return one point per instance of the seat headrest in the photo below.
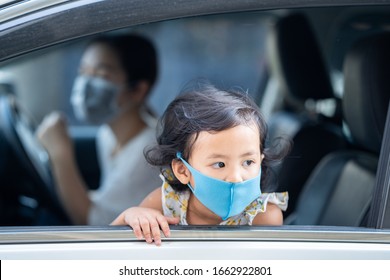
(367, 90)
(298, 59)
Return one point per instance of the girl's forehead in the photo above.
(236, 140)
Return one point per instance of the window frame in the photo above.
(41, 21)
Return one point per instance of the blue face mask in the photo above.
(223, 198)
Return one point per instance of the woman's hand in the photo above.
(53, 135)
(146, 222)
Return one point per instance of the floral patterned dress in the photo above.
(175, 205)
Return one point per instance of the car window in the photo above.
(230, 50)
(187, 49)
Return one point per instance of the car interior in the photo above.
(300, 70)
(346, 178)
(340, 188)
(318, 74)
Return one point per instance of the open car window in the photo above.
(292, 62)
(187, 49)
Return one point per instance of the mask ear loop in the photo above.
(178, 156)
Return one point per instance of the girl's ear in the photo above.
(181, 171)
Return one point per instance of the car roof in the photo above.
(45, 23)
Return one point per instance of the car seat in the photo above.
(339, 192)
(297, 62)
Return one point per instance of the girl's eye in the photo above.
(219, 165)
(248, 162)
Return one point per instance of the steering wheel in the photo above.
(18, 130)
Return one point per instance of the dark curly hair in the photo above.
(207, 108)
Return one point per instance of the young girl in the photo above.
(214, 163)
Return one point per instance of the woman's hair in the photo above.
(136, 54)
(206, 108)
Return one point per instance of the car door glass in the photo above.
(230, 50)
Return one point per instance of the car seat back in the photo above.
(339, 192)
(300, 68)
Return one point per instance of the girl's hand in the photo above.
(146, 222)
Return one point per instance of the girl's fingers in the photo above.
(164, 225)
(135, 225)
(145, 226)
(146, 223)
(137, 230)
(155, 231)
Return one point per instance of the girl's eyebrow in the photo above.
(214, 155)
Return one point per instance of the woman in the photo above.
(116, 75)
